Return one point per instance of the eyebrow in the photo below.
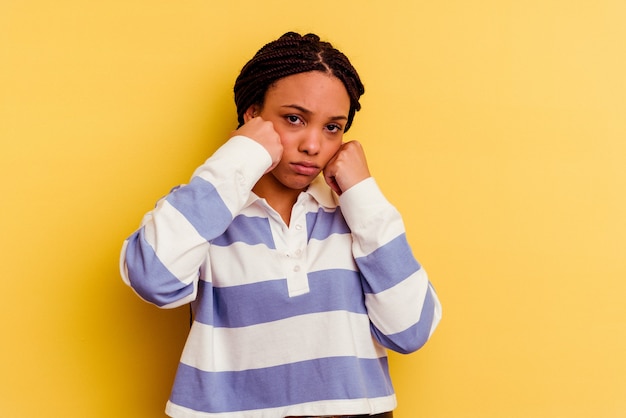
(308, 112)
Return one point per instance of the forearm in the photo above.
(402, 305)
(161, 260)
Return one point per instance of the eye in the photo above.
(334, 128)
(294, 119)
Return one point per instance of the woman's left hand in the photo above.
(347, 167)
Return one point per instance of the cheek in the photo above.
(287, 139)
(331, 150)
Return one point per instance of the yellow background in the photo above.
(497, 127)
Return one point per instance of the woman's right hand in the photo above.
(262, 131)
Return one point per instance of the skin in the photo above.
(300, 124)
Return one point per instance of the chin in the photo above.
(294, 181)
(299, 184)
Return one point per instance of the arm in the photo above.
(402, 305)
(162, 259)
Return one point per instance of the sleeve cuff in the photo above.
(363, 202)
(240, 155)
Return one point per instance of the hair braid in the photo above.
(292, 54)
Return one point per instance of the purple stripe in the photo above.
(414, 337)
(202, 205)
(388, 265)
(322, 224)
(148, 276)
(249, 230)
(239, 306)
(335, 378)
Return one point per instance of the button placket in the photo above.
(297, 279)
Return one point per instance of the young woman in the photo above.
(296, 266)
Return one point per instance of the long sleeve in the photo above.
(402, 305)
(162, 259)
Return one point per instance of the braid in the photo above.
(292, 54)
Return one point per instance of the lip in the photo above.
(305, 168)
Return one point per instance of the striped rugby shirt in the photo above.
(288, 319)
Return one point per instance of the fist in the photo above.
(347, 167)
(262, 131)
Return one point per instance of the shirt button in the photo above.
(296, 269)
(298, 252)
(298, 227)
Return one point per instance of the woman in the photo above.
(297, 268)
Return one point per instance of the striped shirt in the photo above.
(288, 319)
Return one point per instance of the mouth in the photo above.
(305, 168)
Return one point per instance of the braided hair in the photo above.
(292, 54)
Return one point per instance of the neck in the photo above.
(277, 195)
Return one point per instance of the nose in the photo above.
(310, 142)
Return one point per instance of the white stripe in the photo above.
(437, 314)
(234, 169)
(170, 231)
(241, 263)
(338, 246)
(371, 218)
(320, 408)
(280, 342)
(382, 229)
(399, 307)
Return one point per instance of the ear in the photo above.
(252, 112)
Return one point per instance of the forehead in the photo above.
(313, 90)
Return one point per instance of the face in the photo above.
(309, 112)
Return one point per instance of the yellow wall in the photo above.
(497, 127)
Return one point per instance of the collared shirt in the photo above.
(288, 319)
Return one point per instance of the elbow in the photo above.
(407, 341)
(414, 337)
(162, 293)
(419, 339)
(142, 270)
